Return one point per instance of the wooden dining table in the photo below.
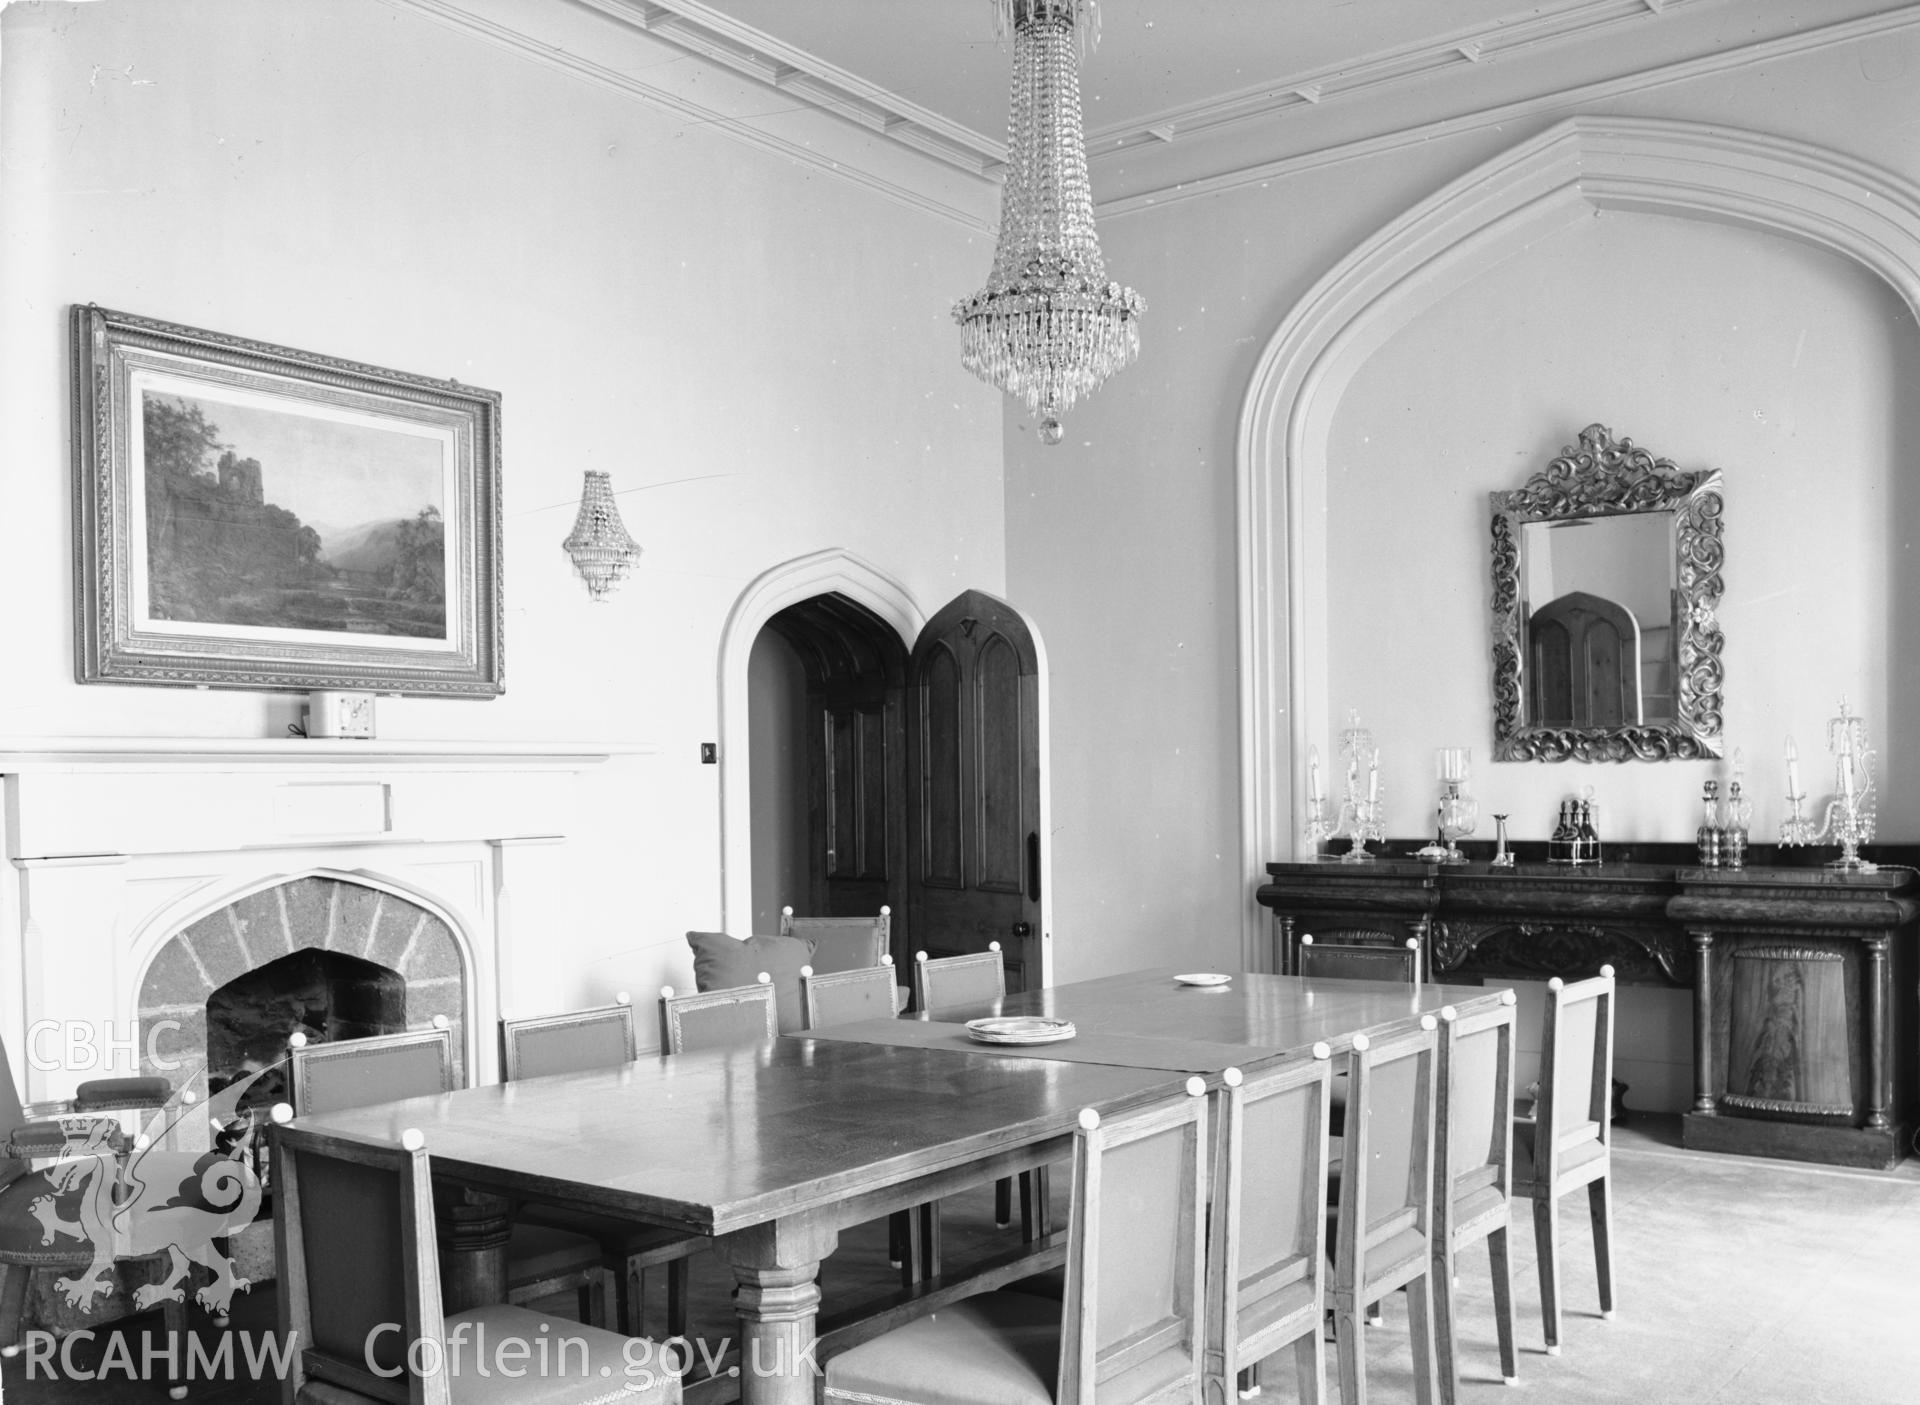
(772, 1149)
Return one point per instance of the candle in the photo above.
(1313, 775)
(1846, 776)
(1373, 777)
(1793, 769)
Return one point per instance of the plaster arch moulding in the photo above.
(1582, 165)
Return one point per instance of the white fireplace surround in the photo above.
(114, 845)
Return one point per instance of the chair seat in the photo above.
(612, 1372)
(1000, 1347)
(1581, 1150)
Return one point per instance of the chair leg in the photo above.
(1003, 1202)
(1600, 1206)
(1503, 1304)
(899, 1235)
(14, 1279)
(1036, 1203)
(1421, 1294)
(679, 1272)
(1441, 1277)
(1350, 1351)
(1546, 1239)
(1310, 1365)
(173, 1323)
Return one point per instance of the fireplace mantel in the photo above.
(111, 845)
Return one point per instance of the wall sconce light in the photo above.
(602, 551)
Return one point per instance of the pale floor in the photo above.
(1738, 1282)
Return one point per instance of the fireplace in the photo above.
(327, 956)
(146, 877)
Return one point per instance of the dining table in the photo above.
(772, 1149)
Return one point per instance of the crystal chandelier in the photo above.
(602, 551)
(1048, 326)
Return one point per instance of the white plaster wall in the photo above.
(1121, 541)
(759, 353)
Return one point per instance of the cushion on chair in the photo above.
(721, 962)
(562, 1383)
(998, 1347)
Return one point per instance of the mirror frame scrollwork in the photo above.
(1603, 477)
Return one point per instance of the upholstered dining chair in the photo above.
(1568, 1141)
(1131, 1327)
(359, 1282)
(1383, 1230)
(979, 978)
(48, 1156)
(1473, 1173)
(1359, 961)
(715, 1019)
(872, 993)
(574, 1042)
(344, 1073)
(944, 982)
(842, 943)
(843, 997)
(1266, 1259)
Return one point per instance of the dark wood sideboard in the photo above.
(1803, 979)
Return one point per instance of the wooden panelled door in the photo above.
(973, 786)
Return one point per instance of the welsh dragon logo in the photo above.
(153, 1200)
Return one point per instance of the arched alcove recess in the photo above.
(1630, 165)
(834, 571)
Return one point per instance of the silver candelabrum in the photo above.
(1361, 811)
(1849, 816)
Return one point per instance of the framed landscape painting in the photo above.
(250, 516)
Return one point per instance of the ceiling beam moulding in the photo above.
(703, 30)
(1159, 191)
(1384, 68)
(891, 150)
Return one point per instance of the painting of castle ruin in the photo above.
(259, 516)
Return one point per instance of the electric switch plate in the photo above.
(709, 753)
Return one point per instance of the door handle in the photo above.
(1023, 929)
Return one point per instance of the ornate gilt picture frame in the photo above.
(251, 516)
(1598, 479)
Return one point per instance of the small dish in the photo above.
(1203, 978)
(1020, 1029)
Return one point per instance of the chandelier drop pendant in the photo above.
(602, 551)
(1049, 326)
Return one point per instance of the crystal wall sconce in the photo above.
(602, 551)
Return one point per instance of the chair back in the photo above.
(1267, 1256)
(1359, 961)
(842, 997)
(381, 1068)
(1473, 1128)
(1573, 1110)
(841, 943)
(1386, 1180)
(1133, 1315)
(715, 1019)
(602, 1037)
(947, 981)
(358, 1265)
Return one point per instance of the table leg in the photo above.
(776, 1266)
(473, 1228)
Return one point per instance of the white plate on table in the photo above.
(1203, 978)
(1020, 1029)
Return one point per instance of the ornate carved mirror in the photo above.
(1606, 576)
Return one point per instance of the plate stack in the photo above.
(1020, 1029)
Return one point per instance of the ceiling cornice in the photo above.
(840, 123)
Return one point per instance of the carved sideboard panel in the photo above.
(1805, 1024)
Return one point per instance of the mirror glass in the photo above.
(1606, 573)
